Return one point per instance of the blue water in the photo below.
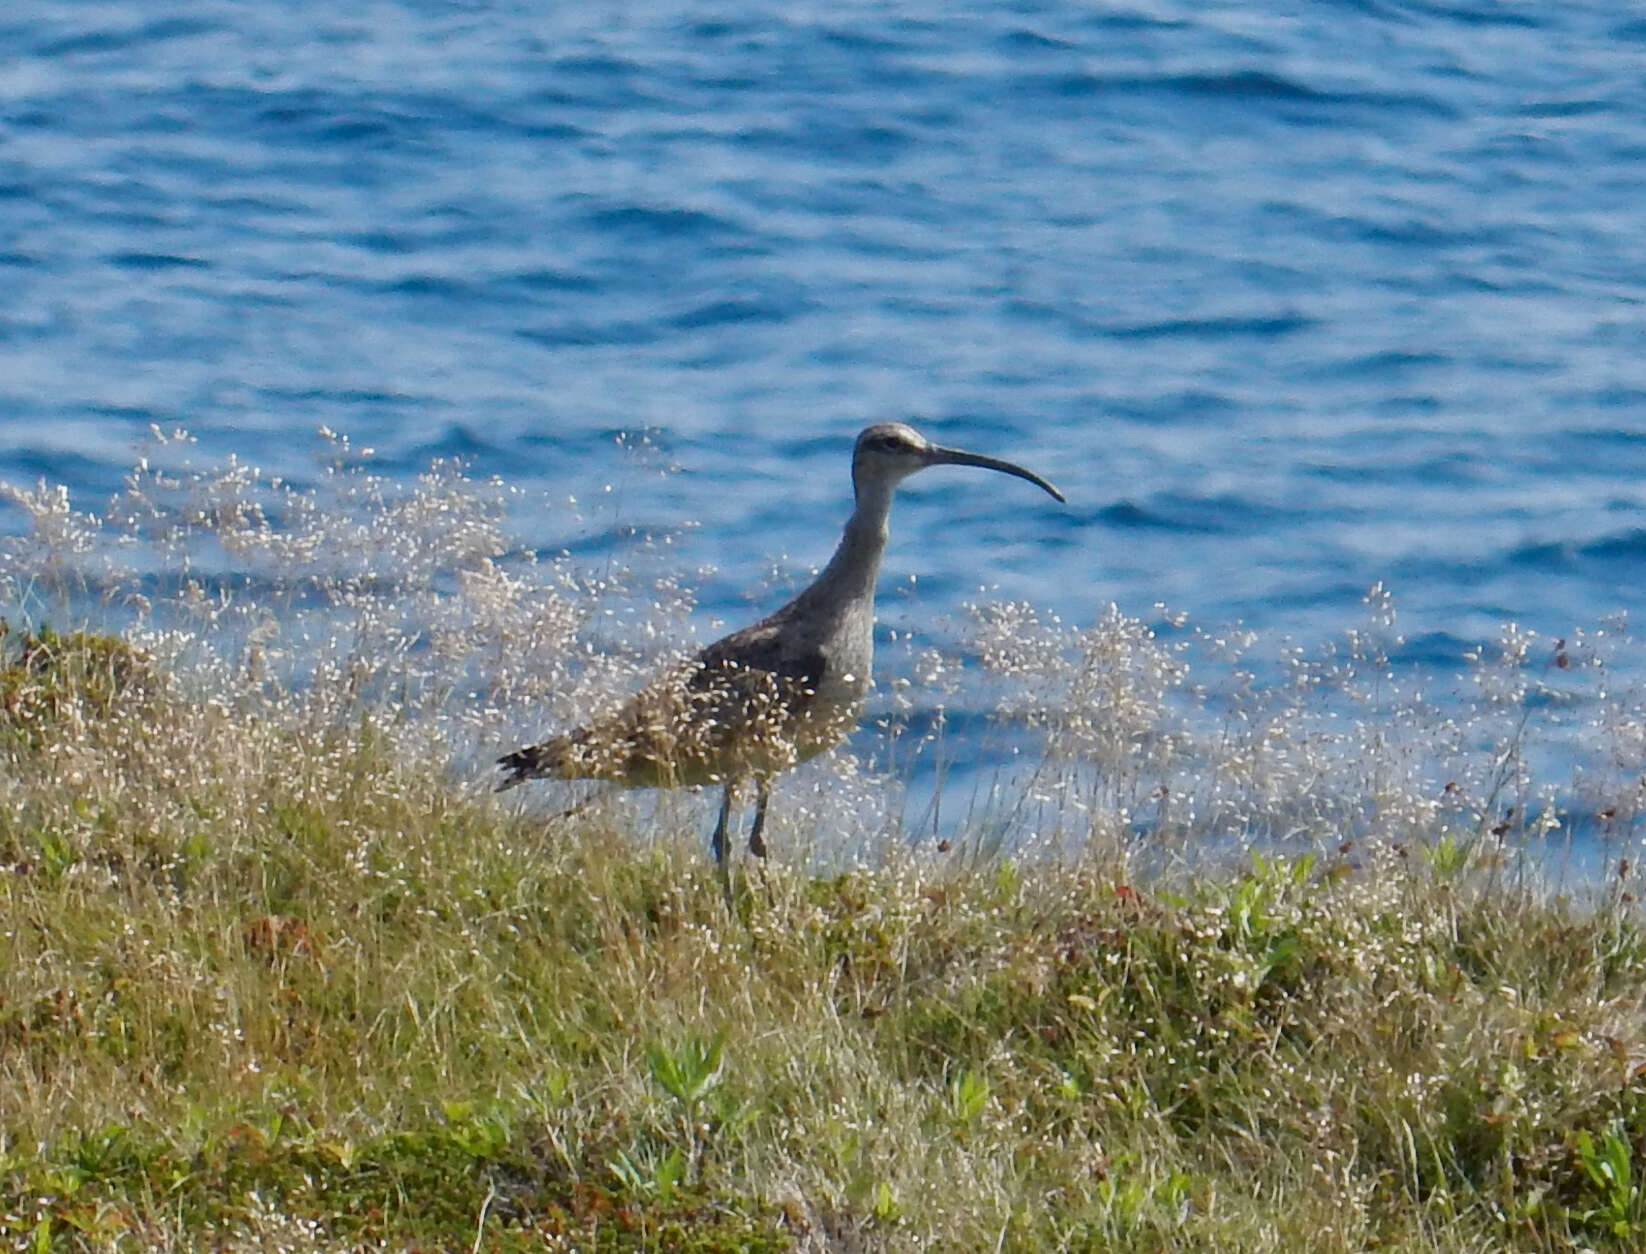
(1288, 298)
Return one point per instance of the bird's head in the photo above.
(889, 452)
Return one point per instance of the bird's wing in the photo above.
(752, 689)
(766, 649)
(733, 708)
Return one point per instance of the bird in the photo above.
(762, 699)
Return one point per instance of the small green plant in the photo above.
(968, 1096)
(886, 1209)
(1608, 1164)
(99, 1155)
(658, 1178)
(57, 855)
(1448, 857)
(478, 1132)
(1254, 917)
(1137, 1198)
(690, 1071)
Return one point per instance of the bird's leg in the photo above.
(718, 841)
(762, 794)
(573, 811)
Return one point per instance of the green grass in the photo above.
(277, 980)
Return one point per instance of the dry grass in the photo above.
(276, 972)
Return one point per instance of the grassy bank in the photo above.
(272, 979)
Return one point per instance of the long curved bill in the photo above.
(937, 455)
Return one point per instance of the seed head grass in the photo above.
(1282, 965)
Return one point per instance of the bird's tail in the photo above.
(534, 762)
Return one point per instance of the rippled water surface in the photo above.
(1289, 299)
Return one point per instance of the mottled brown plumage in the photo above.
(740, 708)
(762, 699)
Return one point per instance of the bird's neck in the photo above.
(852, 571)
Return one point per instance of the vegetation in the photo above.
(278, 972)
(293, 991)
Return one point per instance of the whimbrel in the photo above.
(764, 698)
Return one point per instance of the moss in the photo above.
(45, 677)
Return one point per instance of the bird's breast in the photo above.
(832, 710)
